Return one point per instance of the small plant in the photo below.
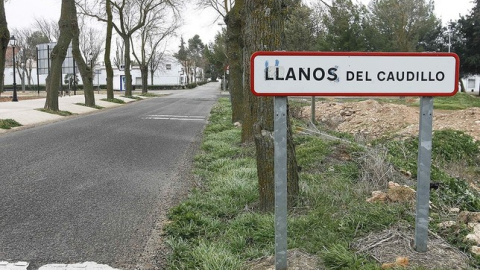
(61, 113)
(95, 107)
(133, 97)
(8, 123)
(339, 257)
(114, 100)
(454, 145)
(149, 95)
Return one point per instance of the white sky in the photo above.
(21, 14)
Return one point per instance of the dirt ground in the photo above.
(372, 119)
(7, 96)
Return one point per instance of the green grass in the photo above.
(459, 101)
(150, 95)
(95, 107)
(61, 113)
(8, 123)
(217, 217)
(133, 97)
(218, 227)
(114, 100)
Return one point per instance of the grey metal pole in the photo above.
(423, 173)
(280, 166)
(14, 98)
(313, 109)
(38, 76)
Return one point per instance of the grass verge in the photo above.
(459, 101)
(9, 123)
(218, 227)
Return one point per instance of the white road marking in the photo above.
(4, 265)
(78, 266)
(13, 266)
(175, 117)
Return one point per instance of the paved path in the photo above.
(26, 111)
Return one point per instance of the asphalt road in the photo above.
(94, 187)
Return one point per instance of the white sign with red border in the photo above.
(354, 74)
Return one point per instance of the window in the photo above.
(471, 83)
(169, 66)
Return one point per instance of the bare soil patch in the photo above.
(387, 246)
(296, 260)
(372, 119)
(20, 98)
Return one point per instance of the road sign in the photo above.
(354, 74)
(282, 74)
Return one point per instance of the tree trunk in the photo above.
(67, 22)
(22, 77)
(152, 73)
(29, 78)
(69, 32)
(144, 74)
(108, 48)
(128, 75)
(234, 21)
(264, 30)
(195, 73)
(85, 71)
(4, 39)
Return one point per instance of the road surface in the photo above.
(97, 187)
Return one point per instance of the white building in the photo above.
(169, 74)
(472, 84)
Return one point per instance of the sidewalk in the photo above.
(26, 112)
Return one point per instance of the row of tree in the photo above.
(142, 25)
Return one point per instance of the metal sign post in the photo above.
(423, 173)
(282, 74)
(280, 155)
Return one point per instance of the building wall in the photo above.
(170, 73)
(472, 84)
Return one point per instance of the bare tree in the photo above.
(222, 7)
(102, 11)
(155, 62)
(91, 42)
(130, 17)
(119, 59)
(27, 41)
(4, 39)
(158, 27)
(231, 11)
(49, 28)
(108, 47)
(69, 33)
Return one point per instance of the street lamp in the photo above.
(449, 27)
(13, 43)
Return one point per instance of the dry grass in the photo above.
(390, 244)
(296, 260)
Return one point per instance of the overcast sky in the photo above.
(21, 13)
